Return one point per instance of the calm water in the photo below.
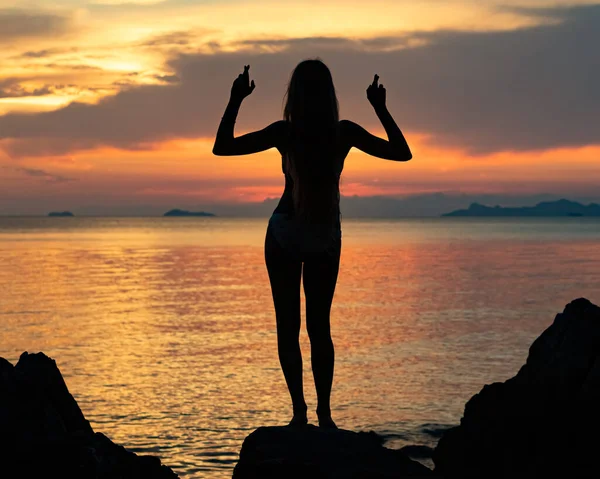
(164, 327)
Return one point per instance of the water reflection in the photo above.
(164, 329)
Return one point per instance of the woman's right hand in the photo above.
(376, 94)
(242, 87)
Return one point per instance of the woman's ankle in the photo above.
(300, 418)
(323, 411)
(326, 422)
(300, 410)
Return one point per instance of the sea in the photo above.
(164, 328)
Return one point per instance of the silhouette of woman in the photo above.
(303, 237)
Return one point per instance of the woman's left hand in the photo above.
(241, 86)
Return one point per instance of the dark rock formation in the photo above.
(60, 213)
(44, 433)
(315, 453)
(543, 422)
(417, 451)
(177, 212)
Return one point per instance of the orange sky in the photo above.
(109, 101)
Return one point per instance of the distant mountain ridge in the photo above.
(561, 207)
(177, 212)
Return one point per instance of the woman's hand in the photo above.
(376, 94)
(241, 87)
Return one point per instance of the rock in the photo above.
(417, 451)
(60, 213)
(542, 422)
(43, 433)
(177, 212)
(315, 453)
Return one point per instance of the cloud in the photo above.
(528, 89)
(49, 52)
(15, 24)
(72, 67)
(44, 175)
(306, 44)
(10, 88)
(169, 39)
(167, 78)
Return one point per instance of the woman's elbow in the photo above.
(217, 151)
(404, 156)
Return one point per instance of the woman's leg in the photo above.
(319, 278)
(284, 275)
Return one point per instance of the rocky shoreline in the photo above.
(542, 422)
(539, 423)
(44, 432)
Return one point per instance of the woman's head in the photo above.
(312, 109)
(311, 97)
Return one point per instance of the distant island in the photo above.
(547, 208)
(60, 213)
(177, 212)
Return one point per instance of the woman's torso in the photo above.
(291, 231)
(286, 202)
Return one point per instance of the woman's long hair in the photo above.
(312, 109)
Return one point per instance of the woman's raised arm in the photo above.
(225, 142)
(395, 148)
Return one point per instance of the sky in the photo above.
(111, 106)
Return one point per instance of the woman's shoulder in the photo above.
(346, 126)
(288, 124)
(343, 128)
(283, 128)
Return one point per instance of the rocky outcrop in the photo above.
(44, 433)
(316, 453)
(543, 422)
(177, 212)
(60, 213)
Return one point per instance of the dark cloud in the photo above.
(167, 78)
(179, 40)
(71, 66)
(46, 53)
(527, 89)
(21, 24)
(44, 175)
(169, 39)
(11, 88)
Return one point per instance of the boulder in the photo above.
(417, 451)
(44, 433)
(316, 453)
(543, 421)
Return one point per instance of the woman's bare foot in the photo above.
(327, 423)
(325, 420)
(299, 420)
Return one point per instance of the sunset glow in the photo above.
(109, 102)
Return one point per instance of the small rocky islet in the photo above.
(177, 212)
(60, 214)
